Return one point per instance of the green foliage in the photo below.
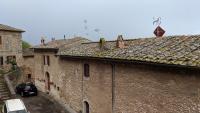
(25, 45)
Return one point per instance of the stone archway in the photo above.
(47, 81)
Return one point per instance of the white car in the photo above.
(14, 106)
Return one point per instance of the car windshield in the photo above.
(27, 87)
(20, 111)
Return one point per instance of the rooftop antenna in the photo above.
(97, 31)
(86, 27)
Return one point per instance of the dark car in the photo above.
(26, 89)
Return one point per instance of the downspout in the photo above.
(113, 88)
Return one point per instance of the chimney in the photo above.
(159, 31)
(120, 42)
(52, 39)
(102, 43)
(42, 41)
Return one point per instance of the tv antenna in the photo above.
(86, 27)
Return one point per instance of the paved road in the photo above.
(41, 104)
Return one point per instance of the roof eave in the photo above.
(129, 61)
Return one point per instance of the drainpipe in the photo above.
(113, 87)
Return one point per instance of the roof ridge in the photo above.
(140, 38)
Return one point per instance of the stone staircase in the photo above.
(4, 91)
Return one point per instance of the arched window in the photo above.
(86, 107)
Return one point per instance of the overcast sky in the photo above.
(131, 18)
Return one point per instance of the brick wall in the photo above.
(145, 89)
(97, 89)
(137, 88)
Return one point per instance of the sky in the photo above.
(130, 18)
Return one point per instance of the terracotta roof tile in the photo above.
(62, 43)
(178, 50)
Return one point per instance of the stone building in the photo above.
(10, 45)
(149, 75)
(27, 67)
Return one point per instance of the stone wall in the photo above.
(28, 69)
(153, 89)
(122, 88)
(11, 46)
(97, 88)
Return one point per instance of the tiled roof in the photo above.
(62, 43)
(28, 52)
(9, 28)
(177, 50)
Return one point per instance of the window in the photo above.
(11, 59)
(44, 61)
(1, 60)
(48, 60)
(86, 107)
(86, 70)
(29, 77)
(0, 40)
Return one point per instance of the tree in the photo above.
(25, 45)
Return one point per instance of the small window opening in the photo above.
(0, 40)
(1, 60)
(86, 70)
(48, 60)
(29, 77)
(86, 107)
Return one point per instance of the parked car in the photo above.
(14, 106)
(26, 89)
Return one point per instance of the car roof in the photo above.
(14, 105)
